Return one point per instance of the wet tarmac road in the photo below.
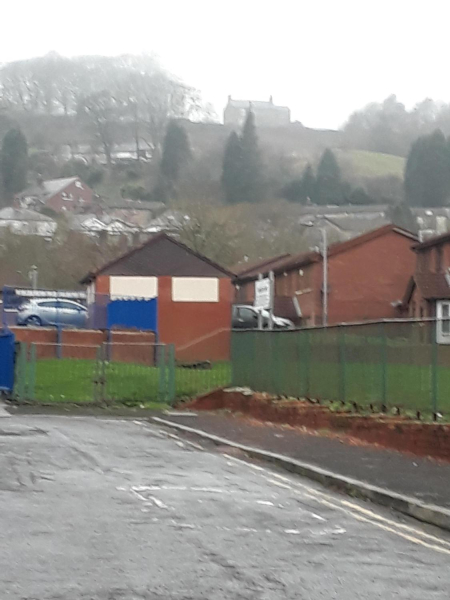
(109, 509)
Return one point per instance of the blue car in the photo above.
(52, 311)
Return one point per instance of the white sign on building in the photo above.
(263, 296)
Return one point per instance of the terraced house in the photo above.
(367, 276)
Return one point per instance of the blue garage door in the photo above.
(138, 314)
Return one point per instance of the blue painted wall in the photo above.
(6, 360)
(139, 314)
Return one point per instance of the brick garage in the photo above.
(367, 277)
(193, 295)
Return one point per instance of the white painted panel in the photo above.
(195, 289)
(90, 293)
(133, 287)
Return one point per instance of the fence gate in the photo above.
(131, 374)
(134, 374)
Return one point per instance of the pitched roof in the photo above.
(434, 241)
(305, 258)
(246, 104)
(53, 186)
(22, 214)
(244, 270)
(432, 286)
(342, 209)
(49, 187)
(146, 260)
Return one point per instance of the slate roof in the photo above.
(161, 255)
(434, 241)
(299, 260)
(246, 104)
(432, 286)
(22, 214)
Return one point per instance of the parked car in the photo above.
(246, 317)
(52, 311)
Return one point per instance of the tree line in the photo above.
(391, 128)
(105, 99)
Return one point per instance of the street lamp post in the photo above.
(324, 253)
(33, 275)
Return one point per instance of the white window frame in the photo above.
(442, 336)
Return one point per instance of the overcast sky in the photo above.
(322, 58)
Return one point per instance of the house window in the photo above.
(443, 322)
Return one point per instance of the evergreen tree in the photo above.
(293, 191)
(176, 154)
(359, 196)
(14, 163)
(308, 183)
(231, 170)
(301, 190)
(251, 172)
(427, 171)
(328, 183)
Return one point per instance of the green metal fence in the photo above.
(383, 365)
(132, 374)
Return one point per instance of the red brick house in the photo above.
(61, 195)
(428, 290)
(367, 277)
(189, 295)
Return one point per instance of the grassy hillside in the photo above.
(362, 164)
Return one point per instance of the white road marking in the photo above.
(352, 509)
(158, 503)
(151, 500)
(176, 437)
(292, 531)
(318, 517)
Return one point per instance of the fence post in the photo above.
(96, 379)
(108, 345)
(162, 372)
(434, 370)
(307, 363)
(21, 371)
(32, 373)
(383, 365)
(171, 384)
(58, 342)
(341, 364)
(103, 376)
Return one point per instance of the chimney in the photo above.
(229, 98)
(271, 99)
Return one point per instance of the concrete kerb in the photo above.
(427, 513)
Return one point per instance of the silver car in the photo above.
(52, 311)
(245, 316)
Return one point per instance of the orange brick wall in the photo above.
(364, 280)
(199, 330)
(125, 346)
